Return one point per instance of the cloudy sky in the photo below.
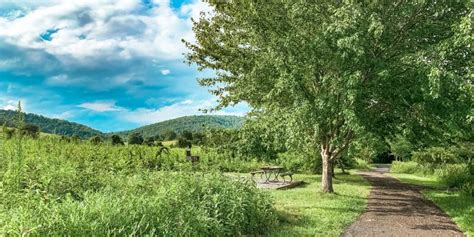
(111, 65)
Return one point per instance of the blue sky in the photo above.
(111, 65)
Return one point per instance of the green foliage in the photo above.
(401, 148)
(167, 205)
(330, 71)
(64, 187)
(455, 175)
(300, 162)
(361, 164)
(249, 142)
(116, 140)
(75, 138)
(170, 128)
(8, 133)
(434, 157)
(149, 141)
(135, 139)
(368, 147)
(95, 140)
(187, 135)
(48, 125)
(183, 143)
(29, 130)
(409, 167)
(169, 135)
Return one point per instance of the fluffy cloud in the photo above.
(7, 103)
(76, 42)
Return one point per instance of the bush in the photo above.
(409, 167)
(95, 140)
(468, 188)
(436, 156)
(361, 164)
(183, 143)
(135, 139)
(30, 130)
(116, 140)
(300, 162)
(454, 176)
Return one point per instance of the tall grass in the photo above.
(68, 189)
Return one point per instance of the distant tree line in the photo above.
(170, 129)
(49, 125)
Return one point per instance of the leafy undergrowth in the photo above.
(51, 188)
(459, 207)
(151, 204)
(305, 211)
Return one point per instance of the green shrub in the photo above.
(468, 188)
(439, 156)
(454, 176)
(361, 164)
(300, 162)
(409, 167)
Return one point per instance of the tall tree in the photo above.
(329, 70)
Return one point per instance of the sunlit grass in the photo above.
(305, 211)
(459, 207)
(430, 181)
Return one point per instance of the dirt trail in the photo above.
(397, 209)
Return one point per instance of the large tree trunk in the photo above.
(326, 181)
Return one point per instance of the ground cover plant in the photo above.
(50, 188)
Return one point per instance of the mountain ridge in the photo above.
(192, 123)
(50, 125)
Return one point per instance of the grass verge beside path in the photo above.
(459, 207)
(305, 211)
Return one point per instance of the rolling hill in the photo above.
(196, 123)
(50, 125)
(178, 125)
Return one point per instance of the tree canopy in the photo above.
(329, 71)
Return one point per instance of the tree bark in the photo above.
(326, 181)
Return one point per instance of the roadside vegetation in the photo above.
(449, 185)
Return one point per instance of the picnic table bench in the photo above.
(273, 171)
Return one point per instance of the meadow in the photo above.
(51, 187)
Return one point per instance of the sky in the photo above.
(111, 65)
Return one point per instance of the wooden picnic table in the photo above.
(269, 171)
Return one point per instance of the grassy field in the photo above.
(50, 187)
(459, 207)
(304, 211)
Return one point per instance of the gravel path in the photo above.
(397, 209)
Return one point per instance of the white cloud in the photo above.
(9, 107)
(7, 103)
(165, 72)
(88, 34)
(101, 106)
